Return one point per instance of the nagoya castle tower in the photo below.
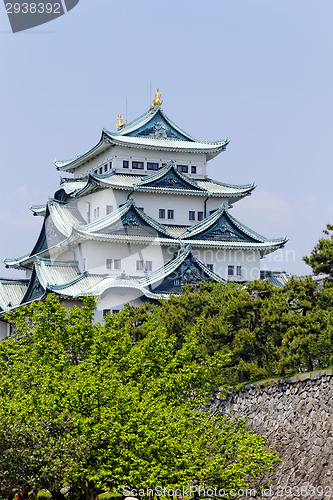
(137, 219)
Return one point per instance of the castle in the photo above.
(138, 219)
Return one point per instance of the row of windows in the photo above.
(113, 264)
(162, 212)
(191, 215)
(104, 168)
(171, 214)
(109, 311)
(139, 165)
(155, 166)
(141, 265)
(147, 265)
(184, 168)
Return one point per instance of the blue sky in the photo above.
(257, 71)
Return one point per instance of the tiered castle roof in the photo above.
(64, 226)
(152, 130)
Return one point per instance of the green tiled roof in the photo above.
(128, 182)
(12, 292)
(131, 136)
(209, 222)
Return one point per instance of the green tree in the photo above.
(133, 399)
(36, 456)
(321, 257)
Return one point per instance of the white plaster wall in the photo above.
(116, 155)
(115, 299)
(151, 203)
(100, 199)
(181, 205)
(214, 203)
(97, 161)
(95, 254)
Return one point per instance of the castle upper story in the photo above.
(143, 146)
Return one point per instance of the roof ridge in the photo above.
(171, 165)
(226, 184)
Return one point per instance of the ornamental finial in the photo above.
(157, 101)
(120, 123)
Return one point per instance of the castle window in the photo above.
(115, 311)
(125, 164)
(110, 165)
(210, 267)
(109, 209)
(171, 214)
(191, 215)
(176, 282)
(161, 213)
(200, 216)
(231, 270)
(106, 168)
(152, 166)
(139, 265)
(105, 312)
(117, 264)
(108, 263)
(182, 168)
(149, 265)
(239, 271)
(100, 170)
(96, 213)
(137, 164)
(193, 170)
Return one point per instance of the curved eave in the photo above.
(210, 149)
(96, 181)
(82, 286)
(122, 238)
(264, 247)
(256, 236)
(38, 209)
(70, 165)
(27, 261)
(16, 262)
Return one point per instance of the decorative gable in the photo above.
(225, 230)
(157, 128)
(35, 290)
(131, 223)
(221, 229)
(189, 272)
(169, 177)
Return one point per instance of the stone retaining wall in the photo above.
(296, 415)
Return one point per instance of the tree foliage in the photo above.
(99, 407)
(321, 257)
(102, 406)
